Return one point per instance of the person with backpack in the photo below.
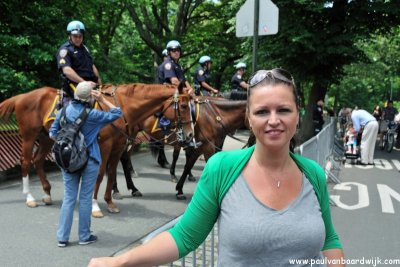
(82, 180)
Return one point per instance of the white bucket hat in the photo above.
(83, 91)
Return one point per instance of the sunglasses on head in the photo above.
(278, 74)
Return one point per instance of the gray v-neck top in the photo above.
(253, 234)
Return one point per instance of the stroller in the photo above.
(352, 143)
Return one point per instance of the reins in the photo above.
(177, 116)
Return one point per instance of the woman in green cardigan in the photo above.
(271, 205)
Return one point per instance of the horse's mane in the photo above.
(140, 90)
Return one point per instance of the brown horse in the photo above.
(137, 101)
(215, 119)
(156, 134)
(176, 109)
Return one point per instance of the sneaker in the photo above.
(91, 239)
(62, 244)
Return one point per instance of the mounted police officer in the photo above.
(202, 78)
(75, 61)
(170, 70)
(239, 85)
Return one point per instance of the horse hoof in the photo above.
(31, 204)
(117, 195)
(192, 179)
(137, 194)
(174, 179)
(47, 201)
(113, 210)
(97, 214)
(180, 196)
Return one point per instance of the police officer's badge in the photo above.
(167, 66)
(201, 72)
(63, 52)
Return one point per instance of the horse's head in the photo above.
(177, 110)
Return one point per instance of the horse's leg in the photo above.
(27, 148)
(111, 175)
(175, 155)
(128, 167)
(115, 191)
(191, 177)
(162, 159)
(96, 211)
(195, 153)
(45, 145)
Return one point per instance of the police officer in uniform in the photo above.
(171, 71)
(239, 85)
(202, 78)
(75, 61)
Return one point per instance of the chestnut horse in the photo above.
(113, 144)
(156, 135)
(215, 119)
(137, 101)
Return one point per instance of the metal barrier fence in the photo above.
(323, 148)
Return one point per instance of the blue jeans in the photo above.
(87, 178)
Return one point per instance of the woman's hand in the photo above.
(97, 96)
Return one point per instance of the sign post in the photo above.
(263, 13)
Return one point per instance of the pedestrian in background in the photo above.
(258, 195)
(366, 124)
(82, 181)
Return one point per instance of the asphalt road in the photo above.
(367, 215)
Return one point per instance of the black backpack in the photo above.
(70, 150)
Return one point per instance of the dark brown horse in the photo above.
(137, 101)
(215, 119)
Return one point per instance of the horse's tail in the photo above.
(7, 107)
(155, 149)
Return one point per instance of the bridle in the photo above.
(176, 127)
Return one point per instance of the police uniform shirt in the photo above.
(172, 69)
(235, 81)
(78, 58)
(200, 76)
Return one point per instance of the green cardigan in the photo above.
(220, 173)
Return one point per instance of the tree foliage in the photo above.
(334, 47)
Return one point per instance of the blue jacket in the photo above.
(96, 120)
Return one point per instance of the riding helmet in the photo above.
(240, 65)
(173, 45)
(204, 59)
(75, 27)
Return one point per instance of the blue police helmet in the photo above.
(240, 65)
(165, 53)
(173, 45)
(204, 59)
(75, 27)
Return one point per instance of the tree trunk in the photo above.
(318, 91)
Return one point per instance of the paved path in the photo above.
(367, 215)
